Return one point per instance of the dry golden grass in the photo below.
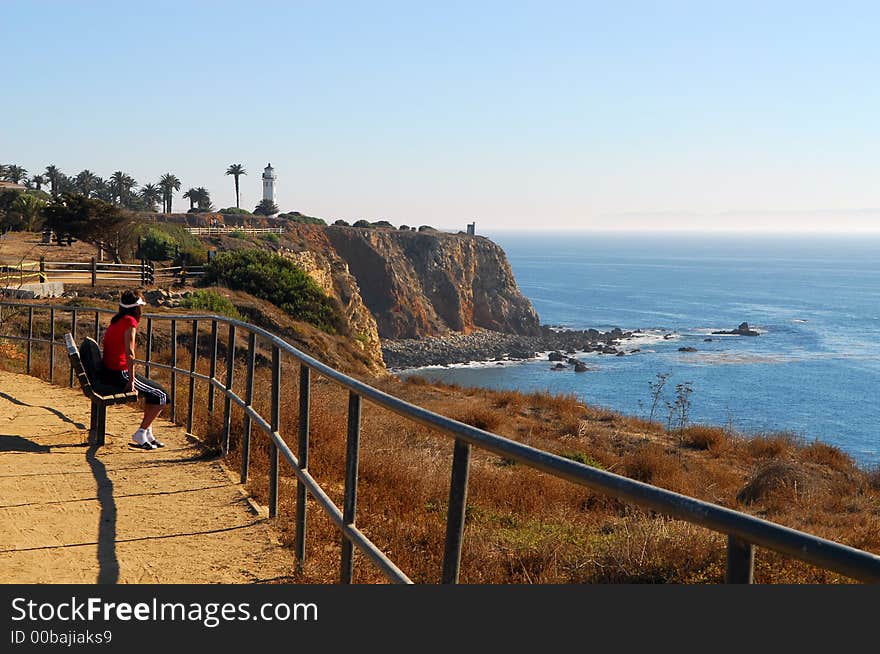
(524, 526)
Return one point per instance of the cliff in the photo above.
(429, 283)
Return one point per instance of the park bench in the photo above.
(86, 363)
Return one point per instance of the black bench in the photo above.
(86, 363)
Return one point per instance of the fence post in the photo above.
(52, 346)
(192, 379)
(94, 272)
(276, 425)
(455, 515)
(42, 268)
(227, 405)
(740, 561)
(30, 337)
(173, 371)
(304, 400)
(149, 348)
(249, 399)
(72, 333)
(351, 477)
(213, 372)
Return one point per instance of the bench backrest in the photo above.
(86, 362)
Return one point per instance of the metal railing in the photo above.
(744, 532)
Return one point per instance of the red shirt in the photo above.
(115, 356)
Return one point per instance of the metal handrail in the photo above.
(744, 531)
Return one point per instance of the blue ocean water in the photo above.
(814, 370)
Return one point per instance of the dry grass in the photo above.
(523, 526)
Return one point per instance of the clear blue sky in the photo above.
(586, 115)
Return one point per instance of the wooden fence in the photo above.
(93, 272)
(228, 229)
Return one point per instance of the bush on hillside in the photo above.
(276, 280)
(163, 241)
(157, 245)
(235, 211)
(271, 237)
(212, 302)
(341, 223)
(297, 217)
(362, 223)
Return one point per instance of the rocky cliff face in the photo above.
(429, 283)
(332, 274)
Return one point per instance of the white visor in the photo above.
(140, 303)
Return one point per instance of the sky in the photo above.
(700, 116)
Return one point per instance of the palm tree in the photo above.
(87, 182)
(150, 194)
(122, 183)
(203, 199)
(38, 181)
(168, 183)
(30, 209)
(54, 175)
(192, 196)
(236, 170)
(14, 174)
(266, 208)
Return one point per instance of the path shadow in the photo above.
(108, 564)
(58, 413)
(12, 443)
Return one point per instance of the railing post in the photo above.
(740, 561)
(227, 405)
(72, 333)
(192, 379)
(30, 337)
(98, 327)
(51, 346)
(249, 398)
(303, 454)
(276, 424)
(173, 371)
(42, 268)
(149, 348)
(94, 272)
(349, 509)
(455, 515)
(213, 373)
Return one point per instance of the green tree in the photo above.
(14, 174)
(37, 181)
(168, 183)
(236, 170)
(93, 221)
(203, 199)
(266, 208)
(87, 182)
(150, 194)
(30, 208)
(53, 174)
(191, 195)
(121, 184)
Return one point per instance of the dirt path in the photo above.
(74, 514)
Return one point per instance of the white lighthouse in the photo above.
(269, 178)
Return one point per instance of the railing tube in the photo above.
(192, 380)
(213, 372)
(455, 515)
(276, 423)
(230, 376)
(349, 509)
(249, 398)
(173, 370)
(51, 346)
(72, 333)
(303, 452)
(740, 561)
(30, 337)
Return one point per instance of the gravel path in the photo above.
(74, 514)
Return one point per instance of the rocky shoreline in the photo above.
(485, 345)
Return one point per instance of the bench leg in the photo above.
(98, 426)
(93, 424)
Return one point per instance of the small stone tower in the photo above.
(472, 228)
(269, 178)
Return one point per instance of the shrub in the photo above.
(157, 244)
(362, 223)
(341, 223)
(271, 237)
(278, 280)
(211, 301)
(427, 228)
(236, 234)
(235, 211)
(703, 437)
(404, 228)
(382, 223)
(297, 217)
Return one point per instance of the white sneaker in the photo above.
(139, 439)
(152, 439)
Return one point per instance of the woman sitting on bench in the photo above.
(119, 356)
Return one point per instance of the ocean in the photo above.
(814, 369)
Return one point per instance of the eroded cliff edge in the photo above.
(420, 284)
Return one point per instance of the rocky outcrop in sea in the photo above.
(485, 345)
